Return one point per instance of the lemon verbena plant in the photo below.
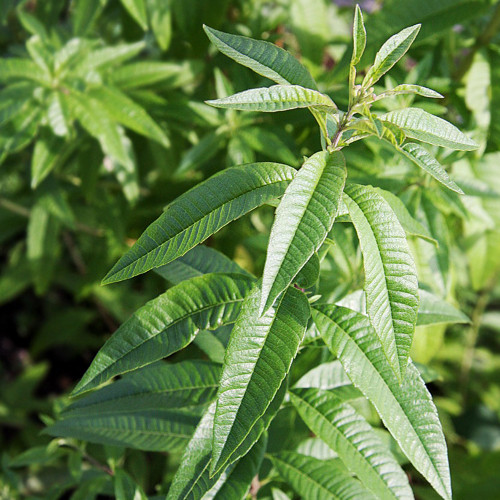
(219, 415)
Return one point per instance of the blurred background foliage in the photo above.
(102, 123)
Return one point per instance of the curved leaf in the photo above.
(357, 445)
(325, 376)
(304, 217)
(276, 98)
(258, 358)
(390, 53)
(407, 88)
(316, 479)
(418, 124)
(166, 324)
(421, 157)
(406, 407)
(264, 58)
(434, 310)
(200, 212)
(391, 283)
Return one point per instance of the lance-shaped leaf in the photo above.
(422, 126)
(317, 479)
(350, 435)
(434, 310)
(264, 58)
(168, 323)
(407, 88)
(276, 98)
(421, 157)
(162, 385)
(390, 53)
(157, 430)
(391, 283)
(198, 261)
(304, 217)
(325, 376)
(200, 212)
(359, 37)
(258, 358)
(406, 407)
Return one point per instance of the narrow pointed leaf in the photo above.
(276, 98)
(325, 376)
(391, 283)
(421, 157)
(359, 36)
(390, 53)
(264, 58)
(304, 217)
(433, 310)
(166, 324)
(161, 385)
(137, 9)
(406, 408)
(258, 358)
(200, 212)
(356, 443)
(422, 126)
(316, 479)
(407, 88)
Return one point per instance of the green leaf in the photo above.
(418, 124)
(316, 479)
(84, 14)
(407, 88)
(198, 261)
(137, 9)
(126, 488)
(258, 358)
(276, 98)
(325, 376)
(264, 58)
(129, 114)
(390, 53)
(421, 157)
(167, 324)
(391, 283)
(304, 217)
(159, 386)
(357, 445)
(46, 154)
(359, 36)
(199, 213)
(160, 19)
(406, 407)
(21, 69)
(434, 310)
(109, 57)
(309, 274)
(159, 430)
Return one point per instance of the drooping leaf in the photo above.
(200, 260)
(421, 157)
(166, 324)
(406, 407)
(316, 479)
(390, 53)
(258, 358)
(161, 385)
(199, 213)
(304, 217)
(357, 445)
(391, 283)
(418, 124)
(359, 36)
(264, 58)
(276, 98)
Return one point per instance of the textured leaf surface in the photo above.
(325, 376)
(420, 125)
(316, 479)
(357, 445)
(407, 88)
(198, 261)
(359, 36)
(160, 386)
(421, 157)
(391, 283)
(304, 217)
(166, 324)
(258, 358)
(276, 98)
(434, 310)
(200, 212)
(390, 53)
(406, 408)
(264, 58)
